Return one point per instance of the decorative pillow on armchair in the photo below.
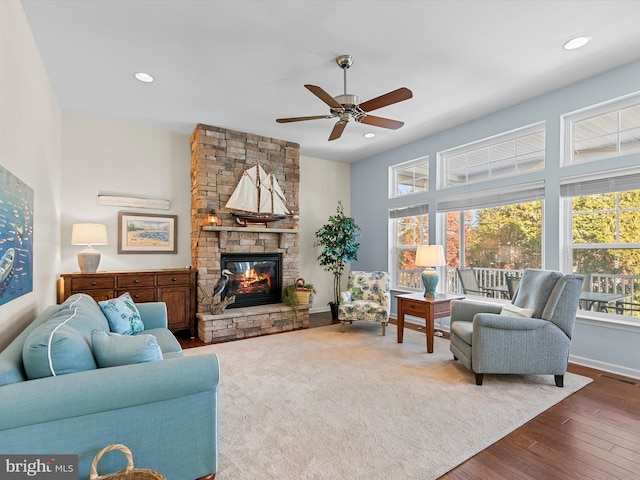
(111, 349)
(122, 314)
(513, 311)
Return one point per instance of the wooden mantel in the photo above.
(222, 232)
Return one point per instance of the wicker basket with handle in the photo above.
(302, 292)
(129, 473)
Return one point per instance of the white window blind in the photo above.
(409, 211)
(576, 188)
(484, 199)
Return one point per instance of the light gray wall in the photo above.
(30, 150)
(108, 157)
(322, 184)
(370, 203)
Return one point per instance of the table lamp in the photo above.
(88, 234)
(430, 256)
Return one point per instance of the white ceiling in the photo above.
(242, 64)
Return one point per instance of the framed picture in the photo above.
(147, 233)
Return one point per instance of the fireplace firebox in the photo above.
(256, 278)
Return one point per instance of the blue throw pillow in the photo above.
(122, 314)
(111, 349)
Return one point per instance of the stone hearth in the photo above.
(218, 159)
(248, 322)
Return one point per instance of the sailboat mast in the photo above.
(258, 181)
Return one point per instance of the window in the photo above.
(604, 245)
(505, 155)
(603, 132)
(409, 231)
(495, 241)
(410, 177)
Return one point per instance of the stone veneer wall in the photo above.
(218, 159)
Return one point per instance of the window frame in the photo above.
(611, 106)
(396, 248)
(393, 176)
(444, 156)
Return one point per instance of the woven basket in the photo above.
(129, 473)
(302, 293)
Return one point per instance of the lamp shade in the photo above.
(89, 234)
(430, 256)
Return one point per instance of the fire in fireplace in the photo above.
(256, 278)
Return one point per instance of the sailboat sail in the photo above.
(258, 193)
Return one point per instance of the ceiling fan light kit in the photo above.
(347, 107)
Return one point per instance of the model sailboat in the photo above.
(258, 198)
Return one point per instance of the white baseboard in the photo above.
(319, 309)
(605, 367)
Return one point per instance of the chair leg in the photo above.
(455, 358)
(342, 326)
(559, 380)
(384, 332)
(479, 378)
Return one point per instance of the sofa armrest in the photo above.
(465, 310)
(50, 399)
(505, 322)
(153, 314)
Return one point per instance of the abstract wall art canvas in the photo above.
(16, 237)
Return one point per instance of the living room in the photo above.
(69, 158)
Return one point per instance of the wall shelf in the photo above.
(213, 228)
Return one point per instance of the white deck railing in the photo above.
(626, 285)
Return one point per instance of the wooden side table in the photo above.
(429, 308)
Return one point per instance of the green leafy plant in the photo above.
(290, 295)
(337, 240)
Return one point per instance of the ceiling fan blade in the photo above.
(324, 96)
(301, 119)
(381, 122)
(390, 98)
(338, 128)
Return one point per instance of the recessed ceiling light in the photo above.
(577, 42)
(369, 135)
(144, 77)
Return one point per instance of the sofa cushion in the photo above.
(535, 289)
(122, 314)
(62, 344)
(111, 349)
(463, 330)
(166, 340)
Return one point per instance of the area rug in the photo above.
(321, 404)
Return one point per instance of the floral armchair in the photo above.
(367, 298)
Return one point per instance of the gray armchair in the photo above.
(531, 335)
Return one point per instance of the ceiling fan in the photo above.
(348, 107)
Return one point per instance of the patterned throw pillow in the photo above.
(122, 314)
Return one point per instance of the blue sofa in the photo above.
(165, 411)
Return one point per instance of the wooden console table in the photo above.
(175, 287)
(429, 308)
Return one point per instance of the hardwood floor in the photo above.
(592, 434)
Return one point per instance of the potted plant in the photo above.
(298, 293)
(337, 240)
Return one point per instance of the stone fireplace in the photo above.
(219, 158)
